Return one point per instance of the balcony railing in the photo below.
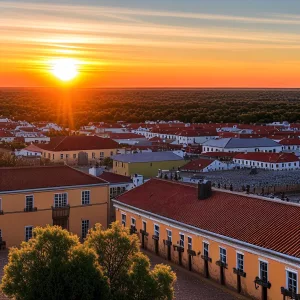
(285, 292)
(61, 212)
(27, 209)
(239, 272)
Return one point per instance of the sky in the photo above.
(157, 43)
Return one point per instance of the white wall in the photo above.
(267, 165)
(250, 149)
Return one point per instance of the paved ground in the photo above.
(191, 286)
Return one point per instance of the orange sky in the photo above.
(148, 47)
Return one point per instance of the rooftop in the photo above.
(147, 157)
(241, 143)
(114, 178)
(268, 157)
(78, 143)
(197, 165)
(27, 178)
(255, 220)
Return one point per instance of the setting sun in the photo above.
(64, 69)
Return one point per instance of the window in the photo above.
(85, 197)
(61, 156)
(133, 222)
(0, 204)
(53, 156)
(263, 270)
(240, 262)
(223, 257)
(60, 200)
(102, 155)
(29, 203)
(28, 233)
(124, 220)
(85, 224)
(145, 226)
(205, 249)
(181, 240)
(156, 230)
(190, 243)
(93, 155)
(74, 156)
(292, 282)
(67, 156)
(169, 235)
(111, 153)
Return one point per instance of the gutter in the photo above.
(229, 239)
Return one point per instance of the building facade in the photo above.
(67, 149)
(247, 243)
(146, 164)
(37, 196)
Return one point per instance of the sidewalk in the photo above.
(192, 286)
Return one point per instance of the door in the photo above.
(190, 263)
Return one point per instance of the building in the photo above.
(59, 195)
(290, 145)
(67, 148)
(6, 136)
(242, 145)
(126, 138)
(29, 151)
(147, 163)
(268, 161)
(206, 165)
(248, 243)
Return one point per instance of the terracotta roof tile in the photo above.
(268, 157)
(197, 165)
(26, 178)
(77, 143)
(261, 222)
(114, 178)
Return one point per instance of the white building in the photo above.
(268, 161)
(29, 151)
(242, 145)
(207, 165)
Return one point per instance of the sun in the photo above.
(64, 69)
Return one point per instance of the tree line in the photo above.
(76, 107)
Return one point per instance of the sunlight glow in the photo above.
(64, 69)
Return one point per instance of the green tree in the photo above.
(127, 268)
(108, 162)
(53, 265)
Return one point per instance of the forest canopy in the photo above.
(76, 107)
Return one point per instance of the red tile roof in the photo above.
(33, 148)
(197, 165)
(78, 143)
(265, 223)
(114, 178)
(268, 157)
(125, 135)
(5, 134)
(26, 178)
(289, 142)
(219, 154)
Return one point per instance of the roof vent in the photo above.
(204, 190)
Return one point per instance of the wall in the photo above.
(147, 169)
(14, 219)
(57, 158)
(277, 268)
(253, 149)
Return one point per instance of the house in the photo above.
(290, 144)
(6, 136)
(248, 243)
(206, 165)
(242, 145)
(29, 151)
(67, 148)
(58, 195)
(127, 138)
(147, 163)
(268, 161)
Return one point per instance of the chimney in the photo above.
(204, 190)
(96, 171)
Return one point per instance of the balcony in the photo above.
(239, 272)
(61, 212)
(28, 209)
(287, 293)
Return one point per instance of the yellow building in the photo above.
(60, 195)
(67, 148)
(248, 243)
(147, 163)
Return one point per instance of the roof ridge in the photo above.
(59, 142)
(87, 174)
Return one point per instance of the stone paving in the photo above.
(191, 286)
